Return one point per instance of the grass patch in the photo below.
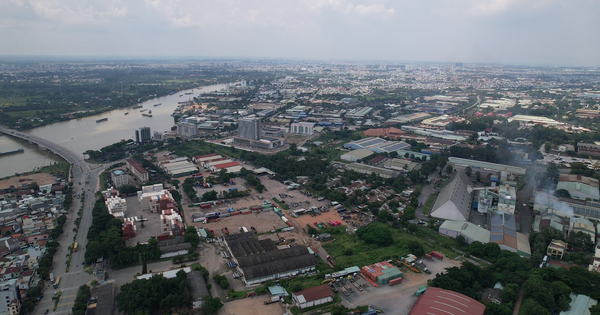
(429, 204)
(366, 254)
(57, 168)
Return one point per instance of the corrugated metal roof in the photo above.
(436, 301)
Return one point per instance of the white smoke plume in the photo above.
(548, 199)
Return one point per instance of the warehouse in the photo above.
(460, 163)
(178, 167)
(368, 169)
(356, 155)
(436, 301)
(454, 200)
(471, 232)
(260, 260)
(313, 296)
(205, 157)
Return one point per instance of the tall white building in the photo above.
(249, 128)
(119, 178)
(302, 128)
(187, 130)
(8, 294)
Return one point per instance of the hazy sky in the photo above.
(551, 32)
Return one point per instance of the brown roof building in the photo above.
(313, 296)
(392, 133)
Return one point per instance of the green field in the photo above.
(56, 168)
(366, 254)
(14, 100)
(429, 204)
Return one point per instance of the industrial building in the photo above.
(264, 143)
(249, 128)
(356, 155)
(358, 113)
(140, 173)
(471, 232)
(154, 198)
(143, 135)
(579, 187)
(454, 200)
(178, 167)
(503, 229)
(187, 129)
(588, 148)
(401, 165)
(459, 163)
(377, 145)
(302, 128)
(119, 178)
(198, 288)
(545, 203)
(582, 225)
(368, 169)
(260, 260)
(313, 296)
(206, 157)
(407, 118)
(436, 301)
(537, 120)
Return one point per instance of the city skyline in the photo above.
(511, 32)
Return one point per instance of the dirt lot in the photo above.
(398, 299)
(252, 306)
(323, 217)
(263, 222)
(39, 178)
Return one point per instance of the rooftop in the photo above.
(314, 293)
(436, 301)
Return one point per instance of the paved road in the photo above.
(85, 179)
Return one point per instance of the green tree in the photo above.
(468, 171)
(209, 195)
(416, 248)
(191, 236)
(376, 233)
(211, 305)
(449, 169)
(531, 307)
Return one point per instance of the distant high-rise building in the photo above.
(243, 83)
(142, 135)
(249, 128)
(187, 129)
(159, 136)
(459, 64)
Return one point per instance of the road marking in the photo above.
(68, 296)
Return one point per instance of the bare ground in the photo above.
(39, 178)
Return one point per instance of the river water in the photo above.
(84, 134)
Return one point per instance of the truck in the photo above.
(274, 299)
(75, 247)
(56, 282)
(421, 290)
(232, 189)
(225, 231)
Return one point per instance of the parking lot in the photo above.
(151, 226)
(397, 299)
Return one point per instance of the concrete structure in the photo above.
(440, 121)
(171, 223)
(313, 296)
(264, 143)
(493, 295)
(119, 178)
(377, 145)
(565, 207)
(580, 305)
(454, 200)
(436, 301)
(249, 128)
(402, 165)
(143, 135)
(368, 169)
(579, 187)
(595, 264)
(155, 199)
(8, 294)
(271, 132)
(302, 128)
(137, 170)
(206, 157)
(356, 155)
(260, 260)
(557, 249)
(159, 136)
(471, 232)
(187, 129)
(116, 206)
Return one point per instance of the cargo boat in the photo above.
(137, 106)
(101, 120)
(147, 115)
(13, 151)
(143, 110)
(127, 113)
(157, 104)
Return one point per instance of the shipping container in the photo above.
(244, 229)
(232, 189)
(224, 215)
(437, 255)
(205, 206)
(225, 231)
(235, 213)
(395, 281)
(427, 256)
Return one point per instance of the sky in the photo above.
(518, 32)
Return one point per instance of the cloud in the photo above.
(375, 9)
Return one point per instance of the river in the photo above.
(84, 134)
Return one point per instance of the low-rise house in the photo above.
(557, 249)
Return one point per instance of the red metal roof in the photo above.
(226, 165)
(205, 155)
(436, 301)
(135, 164)
(315, 293)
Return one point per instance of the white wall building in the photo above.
(302, 128)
